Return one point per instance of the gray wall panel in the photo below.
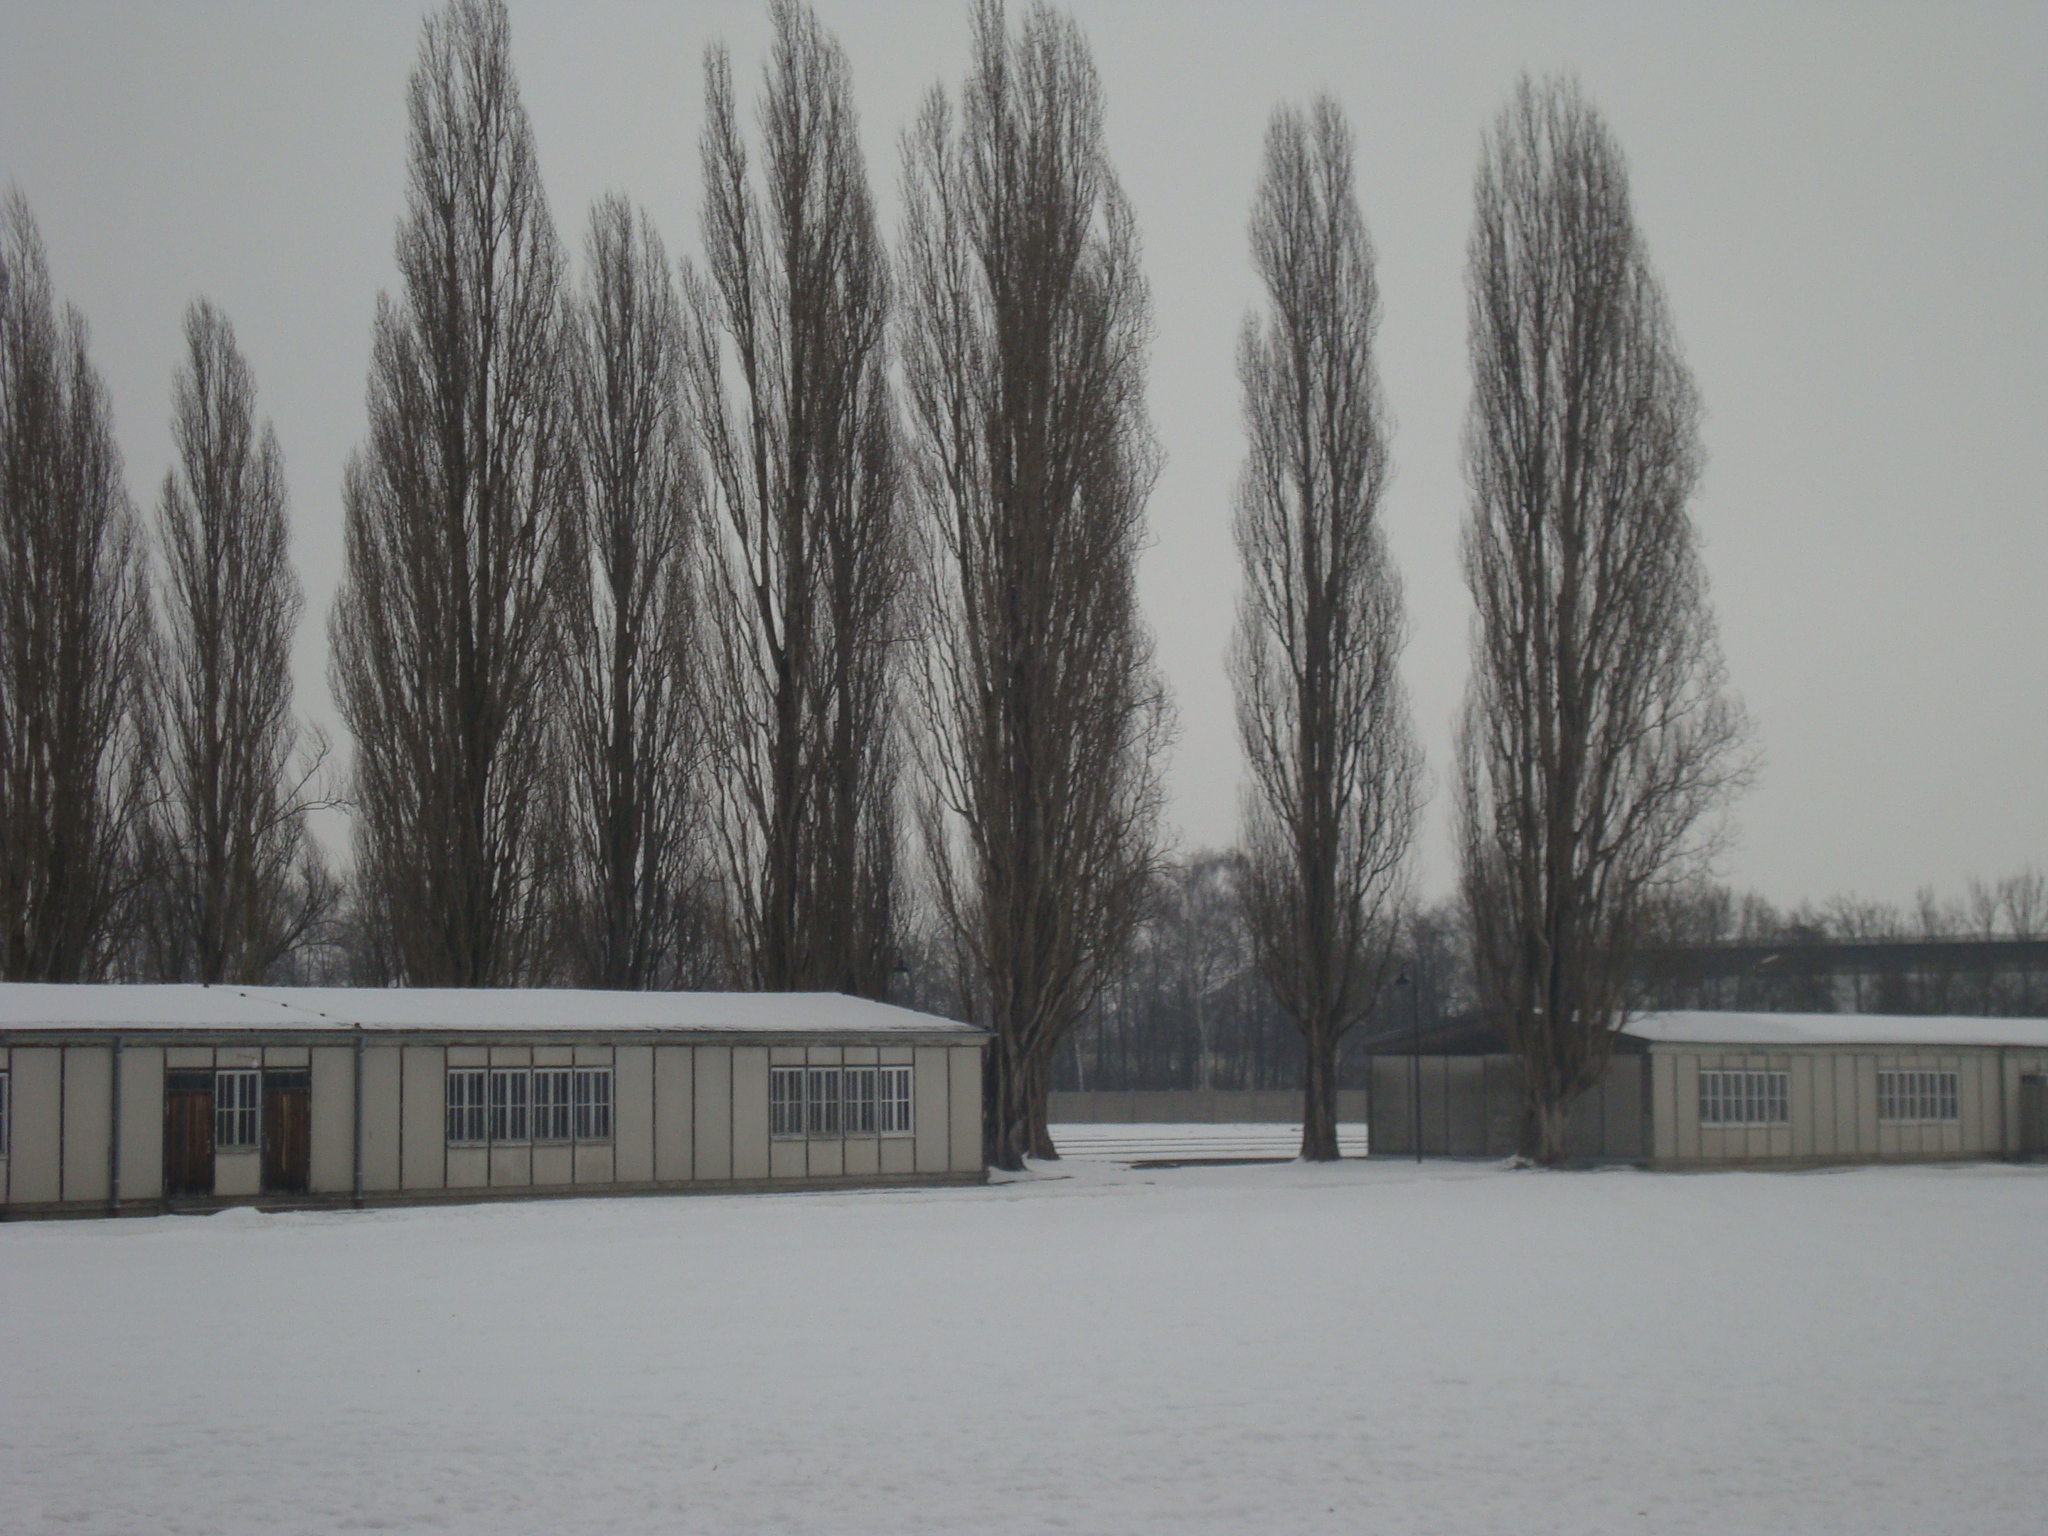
(633, 1114)
(965, 1091)
(423, 1142)
(382, 1088)
(88, 1121)
(750, 1112)
(930, 1113)
(36, 1108)
(714, 1112)
(332, 1092)
(674, 1103)
(142, 1122)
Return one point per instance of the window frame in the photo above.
(592, 1118)
(237, 1109)
(1744, 1097)
(506, 1107)
(847, 1101)
(1919, 1096)
(892, 1107)
(552, 1111)
(510, 1122)
(857, 1087)
(786, 1103)
(472, 1104)
(823, 1111)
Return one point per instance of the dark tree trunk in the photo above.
(1319, 1097)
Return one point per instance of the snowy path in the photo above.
(1276, 1348)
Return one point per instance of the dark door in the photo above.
(2033, 1116)
(188, 1133)
(287, 1131)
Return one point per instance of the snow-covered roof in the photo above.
(36, 1005)
(1700, 1027)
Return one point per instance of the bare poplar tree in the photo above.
(229, 837)
(1598, 739)
(74, 635)
(632, 729)
(790, 390)
(1330, 809)
(445, 632)
(1044, 717)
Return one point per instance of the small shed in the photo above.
(145, 1098)
(1707, 1089)
(1790, 1089)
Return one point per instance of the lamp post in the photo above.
(1414, 1058)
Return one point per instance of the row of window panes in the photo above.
(1744, 1098)
(487, 1104)
(839, 1101)
(1916, 1096)
(1762, 1098)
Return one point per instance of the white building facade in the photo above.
(144, 1098)
(1807, 1089)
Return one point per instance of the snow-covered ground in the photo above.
(1275, 1348)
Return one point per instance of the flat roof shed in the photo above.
(116, 1098)
(1692, 1089)
(1796, 1089)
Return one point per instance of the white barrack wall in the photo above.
(139, 1098)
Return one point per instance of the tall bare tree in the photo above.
(1044, 717)
(229, 835)
(1330, 809)
(1598, 739)
(74, 635)
(632, 728)
(789, 379)
(445, 632)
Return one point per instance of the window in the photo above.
(786, 1101)
(593, 1103)
(488, 1105)
(551, 1103)
(839, 1101)
(858, 1113)
(1744, 1098)
(821, 1101)
(894, 1107)
(508, 1103)
(466, 1104)
(1916, 1096)
(236, 1097)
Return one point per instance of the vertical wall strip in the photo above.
(63, 1064)
(114, 1134)
(356, 1150)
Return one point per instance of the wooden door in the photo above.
(188, 1133)
(287, 1131)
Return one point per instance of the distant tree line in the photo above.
(768, 619)
(1189, 1011)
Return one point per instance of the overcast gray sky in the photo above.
(1848, 204)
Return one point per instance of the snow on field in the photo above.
(1274, 1348)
